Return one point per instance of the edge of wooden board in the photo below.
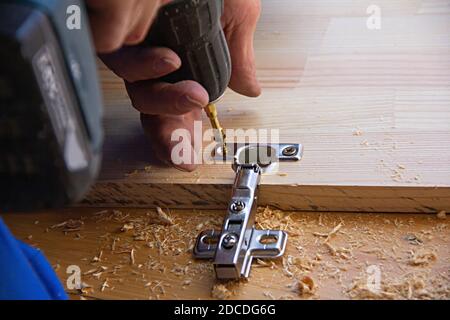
(296, 198)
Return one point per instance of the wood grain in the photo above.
(372, 108)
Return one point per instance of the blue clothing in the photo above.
(25, 274)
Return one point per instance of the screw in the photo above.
(289, 151)
(238, 206)
(229, 241)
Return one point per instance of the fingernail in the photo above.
(165, 65)
(189, 101)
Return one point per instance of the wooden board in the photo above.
(362, 243)
(372, 108)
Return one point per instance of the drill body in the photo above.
(50, 105)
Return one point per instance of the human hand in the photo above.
(167, 107)
(115, 23)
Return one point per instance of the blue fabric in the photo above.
(25, 274)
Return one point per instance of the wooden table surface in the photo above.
(370, 106)
(411, 251)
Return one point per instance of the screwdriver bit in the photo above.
(211, 112)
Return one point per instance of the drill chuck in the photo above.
(193, 30)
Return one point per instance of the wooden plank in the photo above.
(370, 106)
(384, 241)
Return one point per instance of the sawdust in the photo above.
(132, 258)
(422, 258)
(442, 215)
(98, 257)
(164, 217)
(357, 132)
(187, 282)
(306, 286)
(293, 266)
(220, 292)
(156, 244)
(69, 226)
(330, 234)
(105, 285)
(410, 286)
(127, 227)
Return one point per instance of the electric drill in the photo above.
(50, 103)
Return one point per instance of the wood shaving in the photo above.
(306, 286)
(329, 234)
(127, 227)
(269, 295)
(330, 248)
(442, 215)
(104, 285)
(69, 226)
(85, 288)
(98, 257)
(187, 282)
(422, 258)
(219, 291)
(294, 265)
(132, 259)
(410, 286)
(163, 217)
(357, 132)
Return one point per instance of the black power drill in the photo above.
(50, 104)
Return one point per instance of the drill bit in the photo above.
(211, 112)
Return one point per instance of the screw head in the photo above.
(237, 206)
(229, 241)
(289, 151)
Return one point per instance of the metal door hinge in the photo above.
(238, 243)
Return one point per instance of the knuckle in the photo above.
(132, 40)
(135, 37)
(256, 8)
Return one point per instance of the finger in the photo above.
(160, 129)
(240, 36)
(139, 63)
(145, 14)
(110, 22)
(158, 98)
